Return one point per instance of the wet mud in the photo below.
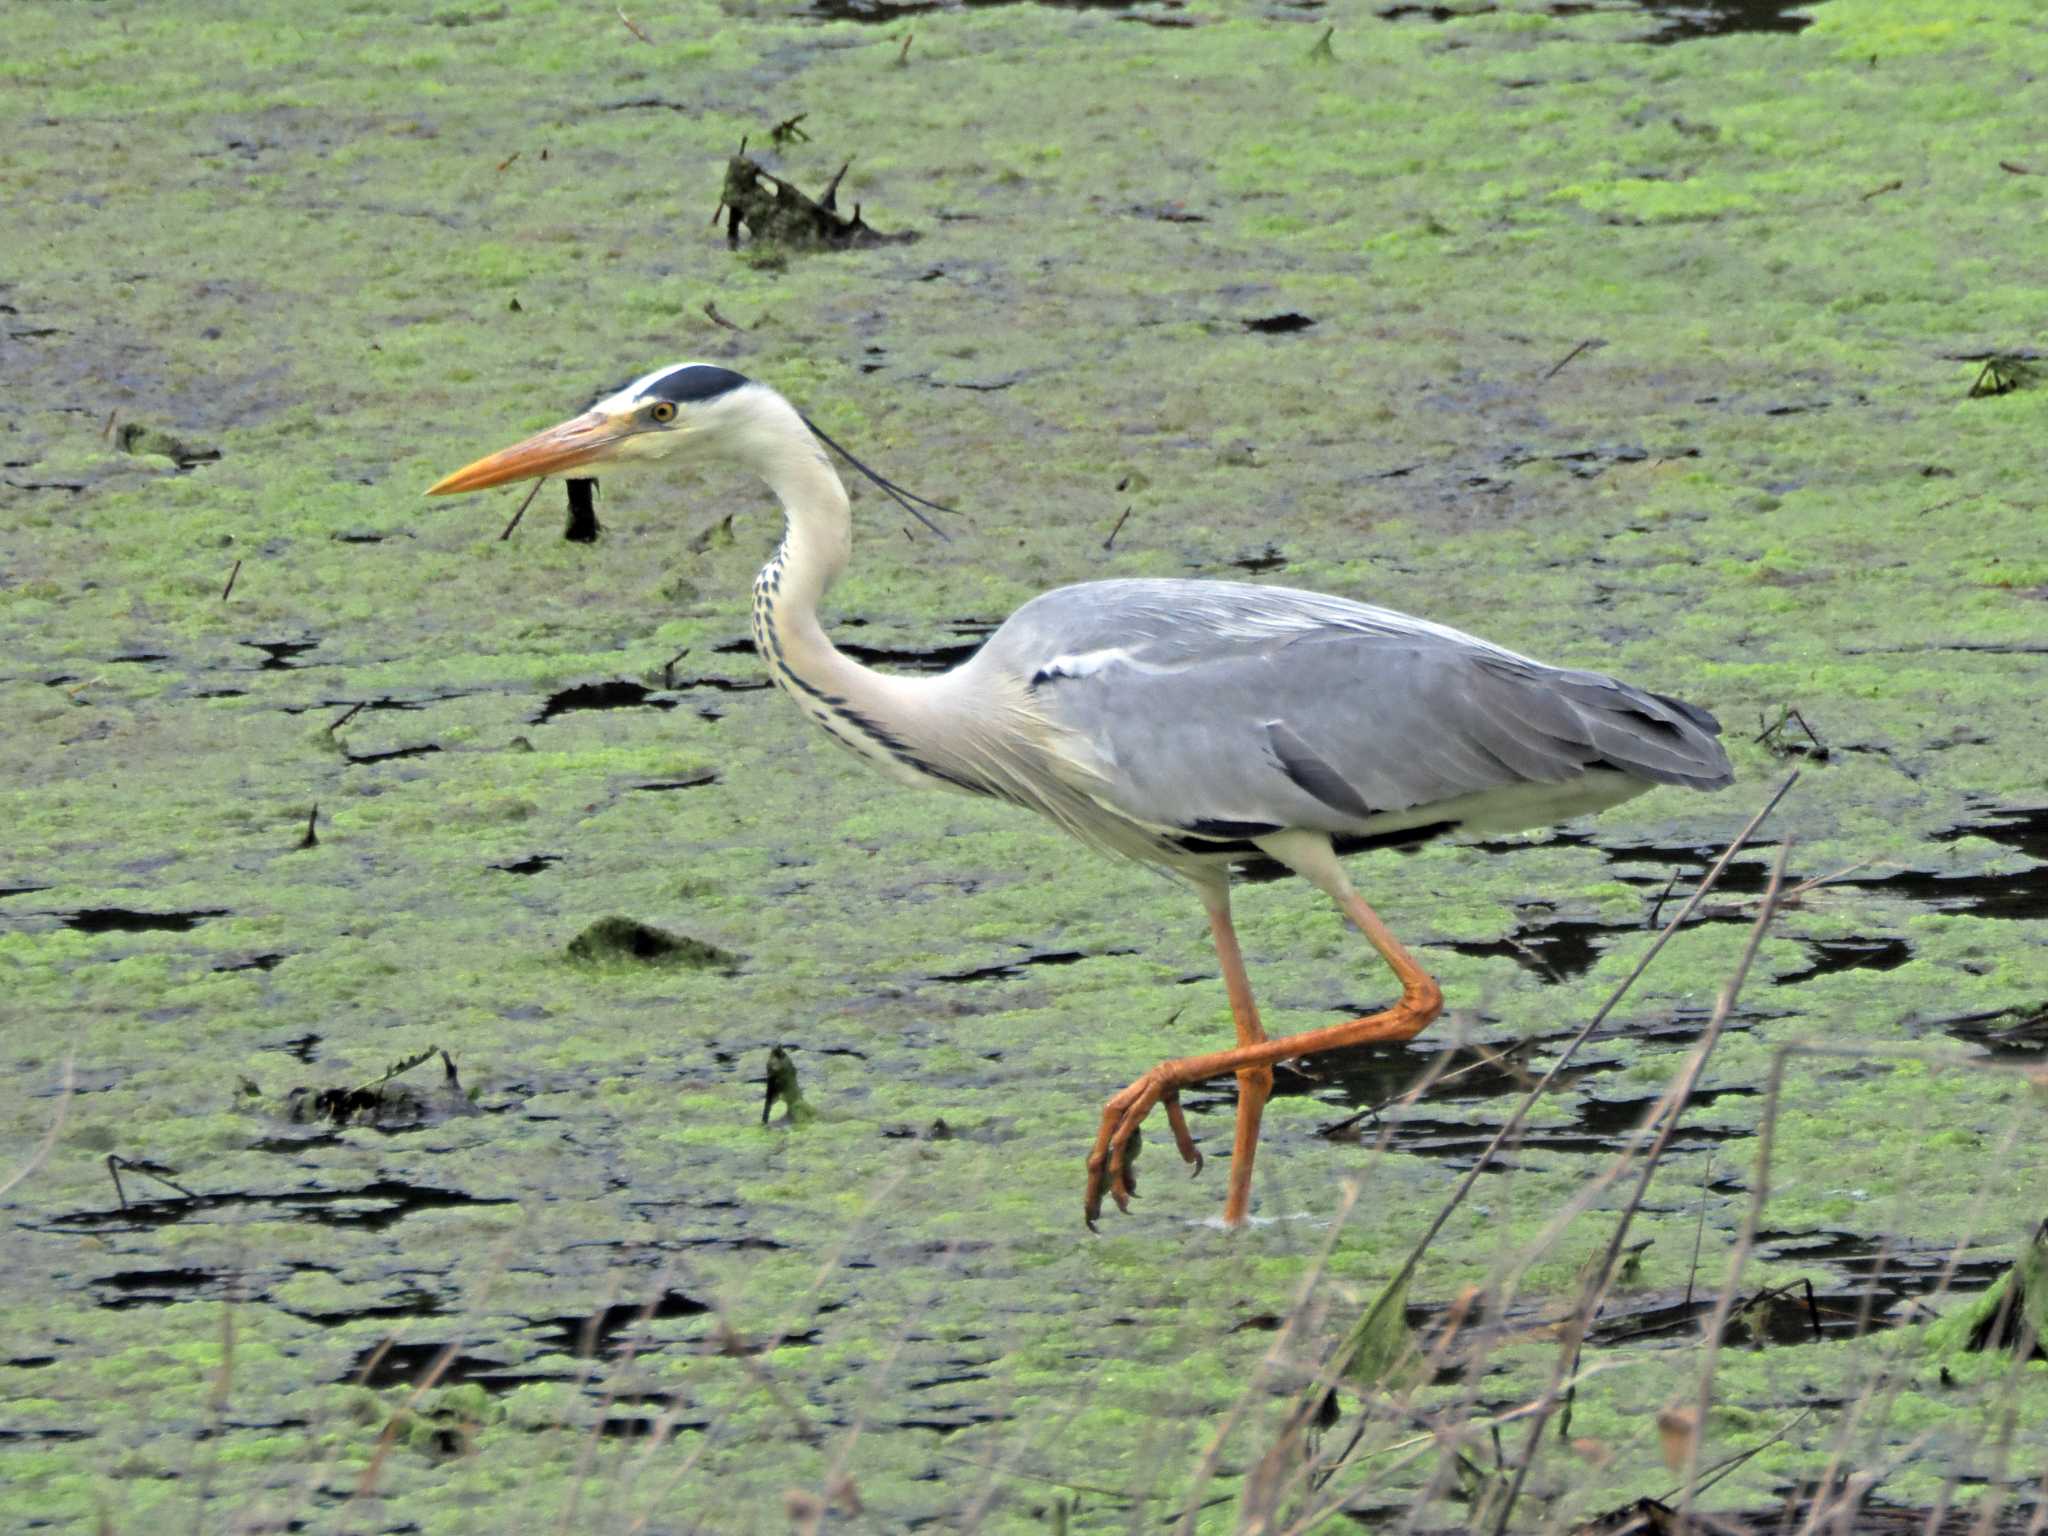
(1568, 325)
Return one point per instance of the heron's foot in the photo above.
(1116, 1142)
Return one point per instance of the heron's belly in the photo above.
(1520, 807)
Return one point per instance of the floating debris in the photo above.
(384, 1103)
(134, 437)
(2004, 372)
(776, 212)
(2011, 1317)
(613, 939)
(782, 1085)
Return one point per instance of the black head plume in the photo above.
(909, 501)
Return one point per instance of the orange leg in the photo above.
(1252, 1061)
(1254, 1084)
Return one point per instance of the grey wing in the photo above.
(1219, 705)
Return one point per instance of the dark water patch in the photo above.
(127, 920)
(408, 1301)
(392, 754)
(2024, 830)
(138, 658)
(42, 1436)
(1592, 463)
(357, 706)
(588, 1338)
(1678, 21)
(291, 1145)
(1899, 1268)
(1832, 955)
(957, 1416)
(157, 1287)
(1617, 1119)
(374, 1207)
(642, 1426)
(1015, 968)
(2018, 897)
(725, 684)
(264, 962)
(393, 1364)
(20, 890)
(1373, 1079)
(278, 655)
(617, 693)
(2010, 1034)
(1843, 1511)
(884, 12)
(1604, 1127)
(1871, 1289)
(1556, 951)
(695, 780)
(532, 864)
(1278, 325)
(1742, 877)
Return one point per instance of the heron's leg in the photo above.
(1254, 1084)
(1421, 1001)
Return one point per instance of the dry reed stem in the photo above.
(41, 1154)
(1672, 1107)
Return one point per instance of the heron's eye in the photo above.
(662, 411)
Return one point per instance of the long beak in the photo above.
(579, 440)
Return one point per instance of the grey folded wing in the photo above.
(1333, 726)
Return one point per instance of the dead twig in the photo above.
(148, 1169)
(635, 28)
(1890, 186)
(353, 711)
(1558, 366)
(1110, 542)
(1670, 1110)
(224, 591)
(903, 57)
(506, 163)
(522, 509)
(788, 130)
(1657, 907)
(711, 313)
(312, 837)
(1819, 749)
(37, 1158)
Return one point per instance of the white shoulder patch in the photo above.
(1079, 664)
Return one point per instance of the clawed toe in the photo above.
(1112, 1166)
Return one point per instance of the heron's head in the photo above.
(686, 410)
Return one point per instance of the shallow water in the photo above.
(1629, 357)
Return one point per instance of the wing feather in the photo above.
(1219, 702)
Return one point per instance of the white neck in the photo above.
(880, 717)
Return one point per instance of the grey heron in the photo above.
(1186, 724)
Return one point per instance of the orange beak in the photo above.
(579, 440)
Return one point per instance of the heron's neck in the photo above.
(817, 542)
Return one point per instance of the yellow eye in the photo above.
(662, 411)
